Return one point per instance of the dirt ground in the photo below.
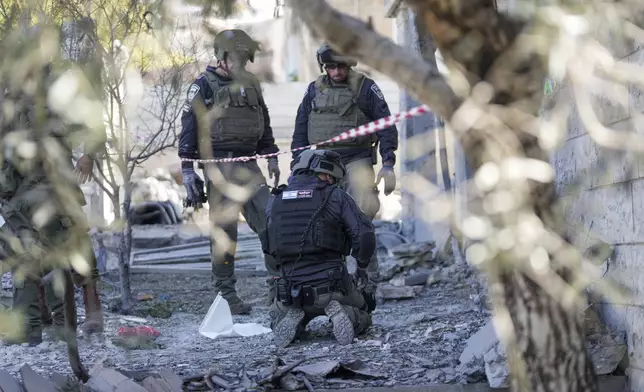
(412, 342)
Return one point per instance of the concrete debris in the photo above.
(496, 367)
(479, 344)
(606, 353)
(393, 292)
(483, 351)
(410, 254)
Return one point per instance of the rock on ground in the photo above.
(412, 342)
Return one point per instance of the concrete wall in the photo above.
(608, 202)
(421, 170)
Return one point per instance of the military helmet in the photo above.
(235, 41)
(320, 161)
(326, 55)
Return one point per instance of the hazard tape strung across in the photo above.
(362, 130)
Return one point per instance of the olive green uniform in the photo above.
(45, 182)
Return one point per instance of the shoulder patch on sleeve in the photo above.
(376, 90)
(192, 92)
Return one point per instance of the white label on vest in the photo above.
(301, 194)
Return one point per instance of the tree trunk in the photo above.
(533, 283)
(125, 248)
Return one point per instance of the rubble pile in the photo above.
(157, 185)
(413, 266)
(485, 354)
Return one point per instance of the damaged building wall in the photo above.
(425, 176)
(607, 203)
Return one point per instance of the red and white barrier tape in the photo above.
(362, 130)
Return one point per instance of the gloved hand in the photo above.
(370, 300)
(387, 173)
(366, 289)
(274, 170)
(362, 280)
(194, 187)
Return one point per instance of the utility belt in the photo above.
(293, 293)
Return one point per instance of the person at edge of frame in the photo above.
(28, 185)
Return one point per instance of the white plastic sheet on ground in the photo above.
(218, 323)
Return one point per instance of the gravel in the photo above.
(412, 342)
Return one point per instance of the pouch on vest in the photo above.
(236, 116)
(334, 110)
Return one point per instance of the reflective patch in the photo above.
(192, 93)
(186, 107)
(377, 91)
(301, 194)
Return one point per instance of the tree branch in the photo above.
(353, 38)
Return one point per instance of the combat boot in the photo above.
(288, 327)
(342, 324)
(237, 306)
(32, 338)
(93, 313)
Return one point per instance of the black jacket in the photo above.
(188, 138)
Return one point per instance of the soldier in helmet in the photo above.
(313, 224)
(337, 101)
(225, 116)
(45, 180)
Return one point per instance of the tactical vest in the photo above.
(236, 117)
(291, 213)
(334, 110)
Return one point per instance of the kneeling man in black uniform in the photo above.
(312, 226)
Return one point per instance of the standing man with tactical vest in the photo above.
(225, 116)
(337, 101)
(46, 180)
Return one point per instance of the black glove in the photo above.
(362, 280)
(387, 173)
(370, 300)
(274, 170)
(194, 189)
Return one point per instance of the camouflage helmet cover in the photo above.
(326, 55)
(235, 41)
(320, 161)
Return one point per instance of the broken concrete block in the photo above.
(479, 344)
(417, 279)
(496, 367)
(387, 291)
(34, 382)
(605, 353)
(409, 254)
(109, 380)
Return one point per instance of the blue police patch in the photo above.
(377, 91)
